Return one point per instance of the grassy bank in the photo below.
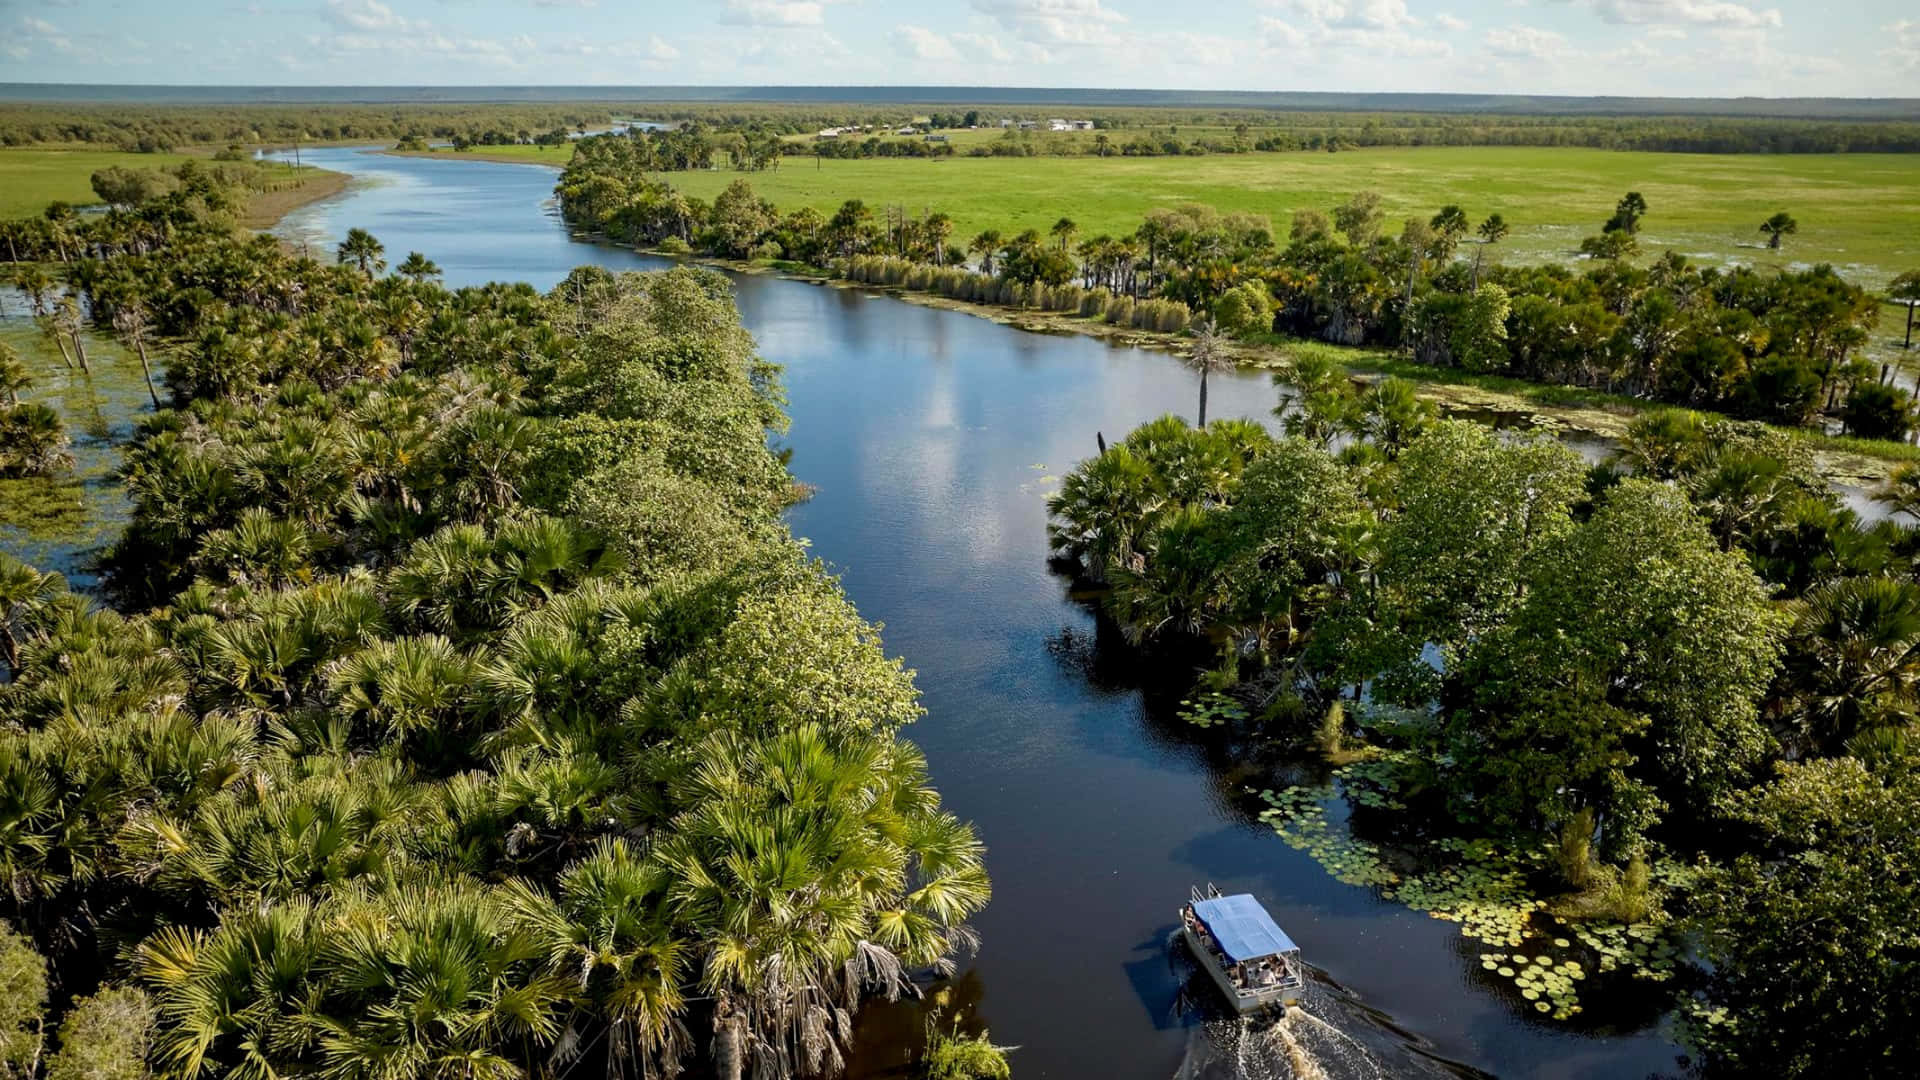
(33, 177)
(1859, 212)
(556, 156)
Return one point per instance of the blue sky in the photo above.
(1637, 47)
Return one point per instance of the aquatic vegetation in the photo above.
(1487, 888)
(1211, 710)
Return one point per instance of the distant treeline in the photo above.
(800, 97)
(1783, 348)
(159, 128)
(165, 127)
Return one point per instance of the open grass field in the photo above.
(33, 177)
(1860, 212)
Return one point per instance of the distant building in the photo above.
(936, 138)
(1069, 125)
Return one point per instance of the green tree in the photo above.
(1828, 909)
(1626, 216)
(23, 1002)
(1448, 226)
(1778, 227)
(363, 251)
(418, 268)
(1905, 289)
(105, 1037)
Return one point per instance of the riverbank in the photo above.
(1513, 402)
(551, 156)
(266, 208)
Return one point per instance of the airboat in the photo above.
(1254, 962)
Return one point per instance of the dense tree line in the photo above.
(1782, 347)
(1694, 651)
(163, 127)
(152, 128)
(466, 708)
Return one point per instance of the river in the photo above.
(932, 438)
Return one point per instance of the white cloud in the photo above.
(38, 26)
(775, 13)
(1526, 43)
(1353, 14)
(1905, 50)
(368, 15)
(1451, 23)
(1666, 33)
(566, 3)
(923, 44)
(1280, 34)
(1371, 27)
(1050, 23)
(983, 47)
(653, 49)
(1719, 13)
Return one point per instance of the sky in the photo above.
(1708, 48)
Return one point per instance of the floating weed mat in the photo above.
(1211, 710)
(1483, 886)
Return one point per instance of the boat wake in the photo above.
(1294, 1045)
(1325, 1034)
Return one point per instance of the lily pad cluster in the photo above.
(1545, 983)
(1373, 783)
(1477, 883)
(1211, 710)
(1297, 815)
(1643, 950)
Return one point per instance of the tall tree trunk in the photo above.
(1203, 397)
(146, 370)
(80, 350)
(1909, 341)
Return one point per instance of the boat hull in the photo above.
(1243, 1001)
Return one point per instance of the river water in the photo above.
(932, 438)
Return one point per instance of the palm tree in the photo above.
(938, 229)
(1777, 226)
(1102, 509)
(13, 374)
(1209, 354)
(1858, 661)
(1392, 415)
(418, 268)
(130, 319)
(1492, 231)
(363, 251)
(1063, 232)
(1905, 289)
(608, 929)
(986, 245)
(1448, 226)
(23, 591)
(815, 869)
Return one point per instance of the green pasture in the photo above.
(1860, 212)
(33, 177)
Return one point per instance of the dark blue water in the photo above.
(932, 438)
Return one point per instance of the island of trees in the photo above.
(463, 707)
(1692, 656)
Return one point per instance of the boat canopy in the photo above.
(1242, 927)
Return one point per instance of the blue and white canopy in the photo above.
(1242, 927)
